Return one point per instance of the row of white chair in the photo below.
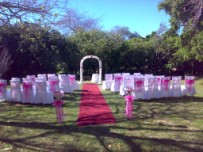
(37, 89)
(149, 86)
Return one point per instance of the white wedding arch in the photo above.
(81, 67)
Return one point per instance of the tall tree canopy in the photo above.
(187, 23)
(184, 13)
(44, 12)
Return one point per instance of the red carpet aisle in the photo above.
(93, 107)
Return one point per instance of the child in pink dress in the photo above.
(58, 102)
(129, 104)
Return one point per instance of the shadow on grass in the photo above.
(144, 109)
(100, 132)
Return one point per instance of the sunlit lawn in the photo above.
(170, 124)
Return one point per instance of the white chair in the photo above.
(3, 94)
(15, 79)
(190, 85)
(159, 77)
(106, 84)
(137, 74)
(156, 88)
(125, 73)
(176, 86)
(139, 88)
(53, 84)
(27, 93)
(165, 87)
(61, 74)
(73, 83)
(42, 94)
(115, 86)
(65, 84)
(128, 83)
(15, 91)
(147, 76)
(149, 89)
(51, 75)
(32, 77)
(42, 76)
(95, 78)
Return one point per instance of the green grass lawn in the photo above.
(169, 124)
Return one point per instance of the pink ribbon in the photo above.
(190, 83)
(59, 110)
(26, 87)
(53, 84)
(166, 84)
(129, 106)
(2, 86)
(139, 84)
(118, 80)
(72, 79)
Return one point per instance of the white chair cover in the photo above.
(149, 89)
(32, 77)
(27, 93)
(15, 91)
(128, 82)
(73, 83)
(3, 94)
(190, 85)
(42, 76)
(15, 79)
(51, 75)
(42, 94)
(108, 81)
(53, 84)
(165, 87)
(156, 88)
(65, 84)
(59, 76)
(95, 78)
(115, 86)
(176, 86)
(137, 74)
(147, 76)
(125, 73)
(139, 91)
(159, 77)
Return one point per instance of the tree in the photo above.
(124, 32)
(186, 15)
(45, 12)
(5, 61)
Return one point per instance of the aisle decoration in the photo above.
(129, 104)
(58, 103)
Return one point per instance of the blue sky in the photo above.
(140, 16)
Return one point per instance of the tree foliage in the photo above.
(54, 13)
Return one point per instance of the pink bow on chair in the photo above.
(26, 87)
(53, 84)
(72, 79)
(190, 83)
(2, 85)
(166, 84)
(139, 84)
(59, 110)
(129, 106)
(118, 79)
